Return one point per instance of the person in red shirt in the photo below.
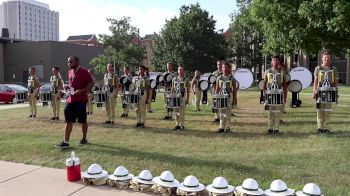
(80, 81)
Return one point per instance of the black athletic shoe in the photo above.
(138, 124)
(166, 118)
(151, 111)
(176, 128)
(123, 115)
(220, 131)
(111, 122)
(276, 131)
(269, 131)
(53, 118)
(142, 125)
(57, 118)
(228, 130)
(282, 122)
(34, 116)
(327, 131)
(62, 145)
(319, 130)
(83, 141)
(216, 120)
(182, 128)
(107, 122)
(126, 115)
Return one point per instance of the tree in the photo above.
(247, 40)
(303, 24)
(189, 40)
(119, 49)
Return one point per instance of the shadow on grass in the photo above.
(179, 161)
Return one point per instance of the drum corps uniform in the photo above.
(141, 107)
(274, 111)
(125, 104)
(57, 85)
(182, 85)
(216, 73)
(226, 84)
(33, 91)
(327, 77)
(90, 93)
(111, 80)
(197, 92)
(167, 88)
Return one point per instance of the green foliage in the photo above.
(247, 40)
(119, 49)
(189, 40)
(303, 24)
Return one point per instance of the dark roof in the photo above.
(80, 37)
(149, 36)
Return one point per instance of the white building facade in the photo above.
(29, 20)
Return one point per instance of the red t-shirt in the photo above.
(78, 79)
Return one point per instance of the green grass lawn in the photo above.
(297, 156)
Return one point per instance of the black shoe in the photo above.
(126, 115)
(107, 122)
(327, 131)
(176, 128)
(62, 145)
(138, 124)
(282, 122)
(111, 122)
(30, 116)
(166, 117)
(198, 110)
(220, 131)
(57, 118)
(142, 125)
(34, 116)
(276, 131)
(150, 111)
(53, 118)
(182, 128)
(123, 115)
(228, 130)
(269, 131)
(216, 120)
(83, 141)
(319, 130)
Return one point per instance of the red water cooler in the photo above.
(73, 168)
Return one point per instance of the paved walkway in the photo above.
(21, 179)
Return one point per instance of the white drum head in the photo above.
(287, 77)
(295, 86)
(153, 83)
(261, 85)
(203, 85)
(124, 80)
(160, 78)
(244, 77)
(212, 79)
(302, 74)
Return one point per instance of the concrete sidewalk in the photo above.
(21, 179)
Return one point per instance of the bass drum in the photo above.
(295, 86)
(203, 85)
(303, 75)
(261, 84)
(244, 78)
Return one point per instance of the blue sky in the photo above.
(79, 17)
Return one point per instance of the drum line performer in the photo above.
(57, 87)
(217, 73)
(275, 77)
(144, 87)
(226, 84)
(124, 88)
(90, 93)
(325, 75)
(182, 85)
(167, 89)
(196, 90)
(33, 92)
(112, 85)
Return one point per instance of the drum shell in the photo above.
(45, 96)
(327, 95)
(134, 98)
(153, 84)
(100, 96)
(274, 97)
(220, 101)
(295, 86)
(174, 100)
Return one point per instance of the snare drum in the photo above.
(274, 97)
(174, 100)
(327, 94)
(134, 97)
(45, 96)
(100, 96)
(220, 101)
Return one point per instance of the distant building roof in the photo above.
(150, 36)
(80, 37)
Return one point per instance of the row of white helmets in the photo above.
(191, 183)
